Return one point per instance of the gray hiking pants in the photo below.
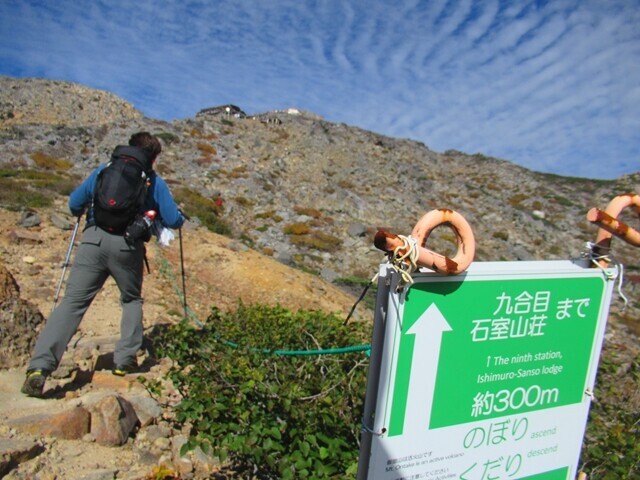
(99, 256)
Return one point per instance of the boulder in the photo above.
(20, 322)
(15, 451)
(29, 219)
(70, 424)
(18, 237)
(60, 222)
(113, 419)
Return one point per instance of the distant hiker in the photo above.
(219, 203)
(116, 195)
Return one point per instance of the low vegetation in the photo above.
(265, 392)
(47, 162)
(21, 189)
(204, 208)
(317, 240)
(611, 449)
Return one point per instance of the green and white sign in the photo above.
(489, 374)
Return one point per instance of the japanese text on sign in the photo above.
(525, 315)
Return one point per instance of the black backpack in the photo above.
(121, 189)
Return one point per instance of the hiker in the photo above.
(219, 201)
(219, 204)
(110, 246)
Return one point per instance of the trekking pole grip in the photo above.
(187, 217)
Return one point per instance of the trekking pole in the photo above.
(66, 260)
(184, 285)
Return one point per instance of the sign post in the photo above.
(484, 375)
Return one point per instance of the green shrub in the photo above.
(611, 449)
(270, 214)
(48, 162)
(238, 172)
(318, 241)
(517, 199)
(207, 149)
(296, 229)
(555, 250)
(243, 201)
(204, 208)
(168, 138)
(14, 197)
(33, 188)
(501, 234)
(271, 415)
(198, 133)
(564, 201)
(309, 212)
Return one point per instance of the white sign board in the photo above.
(488, 374)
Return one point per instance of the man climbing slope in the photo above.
(117, 195)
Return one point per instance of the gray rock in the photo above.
(522, 254)
(153, 432)
(102, 474)
(204, 464)
(14, 452)
(147, 409)
(145, 457)
(29, 219)
(357, 230)
(60, 222)
(285, 258)
(329, 275)
(238, 247)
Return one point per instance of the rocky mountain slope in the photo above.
(310, 193)
(303, 198)
(341, 183)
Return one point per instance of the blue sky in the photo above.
(553, 86)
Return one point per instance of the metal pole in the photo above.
(184, 286)
(373, 376)
(66, 261)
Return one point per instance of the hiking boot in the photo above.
(34, 383)
(122, 370)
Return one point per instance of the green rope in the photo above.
(165, 269)
(329, 351)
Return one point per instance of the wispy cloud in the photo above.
(553, 86)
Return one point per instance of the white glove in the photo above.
(165, 237)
